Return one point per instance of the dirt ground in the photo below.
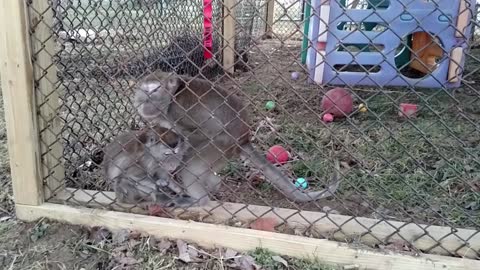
(54, 246)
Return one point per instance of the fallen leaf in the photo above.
(345, 165)
(246, 263)
(120, 236)
(256, 179)
(326, 209)
(135, 235)
(164, 245)
(472, 206)
(157, 211)
(264, 224)
(397, 246)
(98, 234)
(280, 260)
(152, 242)
(120, 249)
(299, 231)
(475, 185)
(183, 254)
(230, 253)
(192, 251)
(128, 261)
(132, 243)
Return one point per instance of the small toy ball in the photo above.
(407, 110)
(301, 182)
(270, 105)
(278, 154)
(338, 102)
(362, 108)
(295, 75)
(328, 117)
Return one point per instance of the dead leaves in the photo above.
(126, 251)
(124, 262)
(245, 263)
(157, 211)
(121, 236)
(99, 234)
(264, 224)
(163, 246)
(187, 253)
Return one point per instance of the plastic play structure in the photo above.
(388, 37)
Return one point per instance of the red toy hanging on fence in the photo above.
(207, 29)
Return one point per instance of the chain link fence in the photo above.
(408, 183)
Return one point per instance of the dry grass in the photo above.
(6, 199)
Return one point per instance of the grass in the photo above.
(268, 260)
(429, 164)
(425, 169)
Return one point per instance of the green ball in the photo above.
(270, 105)
(301, 182)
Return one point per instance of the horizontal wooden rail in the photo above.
(211, 235)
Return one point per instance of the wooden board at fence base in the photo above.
(16, 74)
(210, 236)
(366, 230)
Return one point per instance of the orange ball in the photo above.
(278, 155)
(337, 102)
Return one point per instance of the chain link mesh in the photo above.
(400, 176)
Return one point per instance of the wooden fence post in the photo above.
(18, 94)
(47, 95)
(229, 36)
(270, 15)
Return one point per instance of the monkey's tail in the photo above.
(283, 183)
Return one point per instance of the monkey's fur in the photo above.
(216, 125)
(138, 164)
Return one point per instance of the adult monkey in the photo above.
(216, 125)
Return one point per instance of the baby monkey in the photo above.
(138, 163)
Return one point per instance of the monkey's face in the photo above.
(154, 94)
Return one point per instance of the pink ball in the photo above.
(328, 117)
(278, 154)
(338, 102)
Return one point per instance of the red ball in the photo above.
(278, 154)
(338, 102)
